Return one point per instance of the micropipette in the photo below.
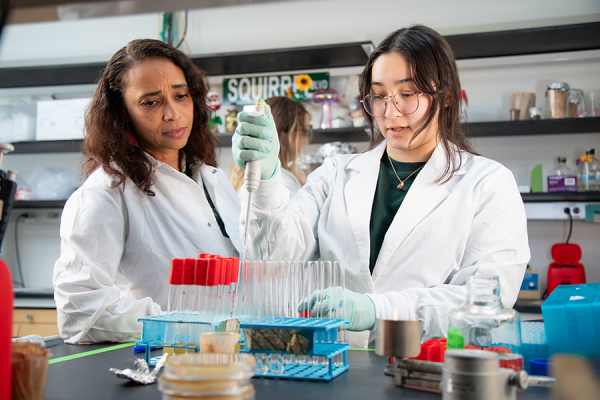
(252, 173)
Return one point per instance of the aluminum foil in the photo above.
(143, 374)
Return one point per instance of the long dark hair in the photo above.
(434, 72)
(107, 144)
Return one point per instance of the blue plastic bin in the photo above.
(572, 319)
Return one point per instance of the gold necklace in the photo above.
(401, 185)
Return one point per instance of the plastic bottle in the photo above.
(562, 178)
(482, 322)
(589, 172)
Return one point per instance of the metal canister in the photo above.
(556, 94)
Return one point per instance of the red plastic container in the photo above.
(6, 311)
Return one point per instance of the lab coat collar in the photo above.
(424, 196)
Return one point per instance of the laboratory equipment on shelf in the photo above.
(588, 176)
(562, 178)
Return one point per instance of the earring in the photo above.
(131, 139)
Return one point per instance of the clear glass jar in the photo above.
(482, 322)
(556, 95)
(575, 104)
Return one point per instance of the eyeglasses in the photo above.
(405, 101)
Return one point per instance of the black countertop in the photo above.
(89, 377)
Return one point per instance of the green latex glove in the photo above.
(338, 303)
(256, 138)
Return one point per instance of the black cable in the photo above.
(5, 8)
(19, 269)
(568, 212)
(184, 30)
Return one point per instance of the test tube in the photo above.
(212, 281)
(339, 302)
(175, 288)
(200, 281)
(187, 301)
(234, 286)
(174, 303)
(226, 267)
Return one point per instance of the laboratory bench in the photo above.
(88, 376)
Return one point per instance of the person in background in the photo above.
(293, 122)
(412, 218)
(153, 192)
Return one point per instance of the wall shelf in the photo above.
(37, 204)
(320, 136)
(251, 62)
(550, 197)
(552, 39)
(589, 197)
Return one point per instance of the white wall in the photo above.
(275, 25)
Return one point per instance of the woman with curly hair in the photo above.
(153, 192)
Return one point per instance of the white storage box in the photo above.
(61, 119)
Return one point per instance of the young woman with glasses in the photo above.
(411, 218)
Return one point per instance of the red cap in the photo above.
(201, 271)
(214, 256)
(214, 271)
(235, 269)
(189, 269)
(176, 271)
(204, 255)
(224, 278)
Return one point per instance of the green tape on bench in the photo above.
(90, 353)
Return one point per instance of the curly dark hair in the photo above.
(106, 141)
(434, 72)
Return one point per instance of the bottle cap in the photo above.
(203, 255)
(176, 271)
(562, 159)
(214, 271)
(235, 269)
(201, 271)
(214, 256)
(189, 270)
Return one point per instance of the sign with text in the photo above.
(246, 90)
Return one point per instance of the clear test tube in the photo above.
(200, 280)
(339, 281)
(313, 287)
(187, 301)
(174, 302)
(234, 287)
(175, 288)
(226, 270)
(212, 281)
(245, 295)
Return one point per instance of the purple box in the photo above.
(562, 183)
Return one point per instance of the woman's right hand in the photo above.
(256, 138)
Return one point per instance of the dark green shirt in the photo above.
(388, 199)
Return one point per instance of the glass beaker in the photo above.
(482, 322)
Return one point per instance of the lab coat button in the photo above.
(214, 171)
(209, 225)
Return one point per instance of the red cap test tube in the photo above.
(175, 288)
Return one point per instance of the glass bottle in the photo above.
(589, 172)
(483, 323)
(562, 178)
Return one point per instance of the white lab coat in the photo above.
(473, 224)
(117, 245)
(290, 181)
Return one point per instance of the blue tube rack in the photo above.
(153, 332)
(321, 333)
